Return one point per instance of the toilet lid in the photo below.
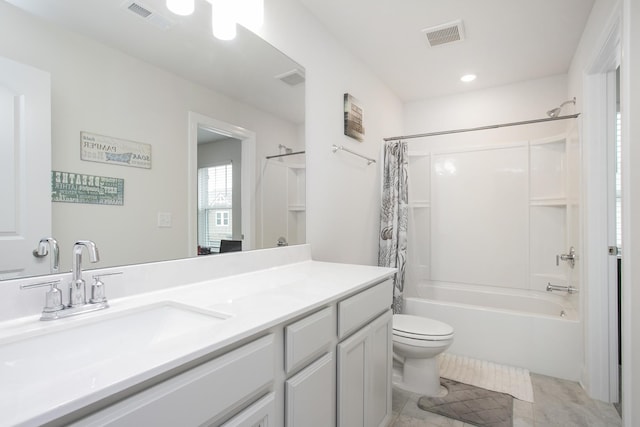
(419, 327)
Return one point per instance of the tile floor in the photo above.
(557, 403)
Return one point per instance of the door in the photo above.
(25, 168)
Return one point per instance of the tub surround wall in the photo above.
(500, 211)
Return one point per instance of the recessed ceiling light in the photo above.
(468, 78)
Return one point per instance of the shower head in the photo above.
(553, 113)
(286, 149)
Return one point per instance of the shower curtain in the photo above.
(392, 251)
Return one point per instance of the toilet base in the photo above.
(420, 376)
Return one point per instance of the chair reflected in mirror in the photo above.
(230, 246)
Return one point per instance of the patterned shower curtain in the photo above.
(392, 250)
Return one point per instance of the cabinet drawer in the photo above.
(359, 309)
(260, 413)
(199, 395)
(308, 338)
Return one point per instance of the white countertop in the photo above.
(253, 301)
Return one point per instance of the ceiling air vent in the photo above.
(445, 33)
(139, 10)
(148, 14)
(292, 78)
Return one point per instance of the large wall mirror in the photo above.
(202, 107)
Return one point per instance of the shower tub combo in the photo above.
(490, 224)
(538, 332)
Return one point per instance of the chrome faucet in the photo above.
(77, 291)
(54, 308)
(45, 245)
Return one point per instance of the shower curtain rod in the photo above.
(285, 155)
(501, 125)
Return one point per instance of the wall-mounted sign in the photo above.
(106, 149)
(353, 118)
(80, 188)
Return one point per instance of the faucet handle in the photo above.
(97, 291)
(570, 257)
(97, 288)
(53, 298)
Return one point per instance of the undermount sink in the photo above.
(87, 355)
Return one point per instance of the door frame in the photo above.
(248, 165)
(599, 301)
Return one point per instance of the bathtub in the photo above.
(537, 332)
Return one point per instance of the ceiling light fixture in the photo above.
(181, 7)
(468, 78)
(225, 14)
(250, 14)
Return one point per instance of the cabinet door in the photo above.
(257, 415)
(380, 362)
(364, 375)
(353, 379)
(310, 395)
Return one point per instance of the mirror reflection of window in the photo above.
(215, 207)
(222, 218)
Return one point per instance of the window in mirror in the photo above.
(215, 207)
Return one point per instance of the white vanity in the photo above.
(264, 338)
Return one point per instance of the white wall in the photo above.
(101, 90)
(343, 193)
(510, 103)
(631, 211)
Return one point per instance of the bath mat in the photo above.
(488, 375)
(470, 404)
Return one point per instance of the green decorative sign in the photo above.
(91, 189)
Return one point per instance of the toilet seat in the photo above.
(420, 328)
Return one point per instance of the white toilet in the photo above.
(417, 342)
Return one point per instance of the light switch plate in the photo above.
(164, 219)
